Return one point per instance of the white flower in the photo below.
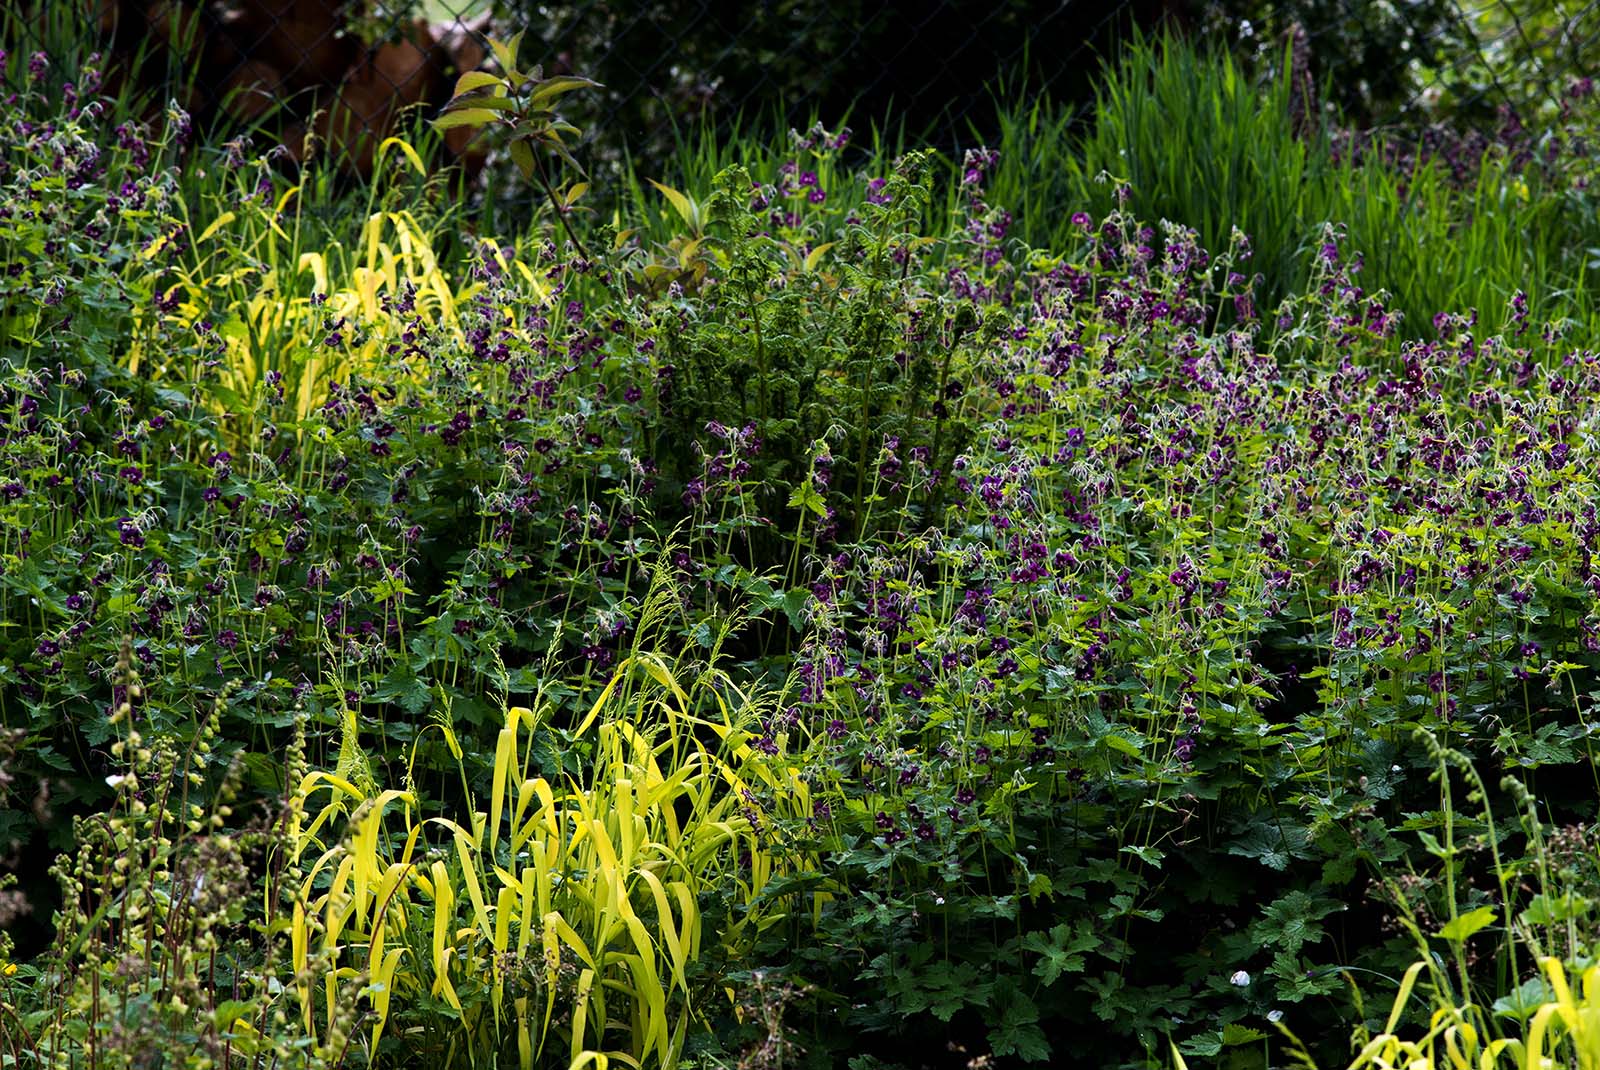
(115, 780)
(1274, 1016)
(1241, 979)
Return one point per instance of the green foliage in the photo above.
(1077, 629)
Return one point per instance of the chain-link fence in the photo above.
(345, 74)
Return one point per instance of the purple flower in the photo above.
(129, 533)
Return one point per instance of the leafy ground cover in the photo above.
(841, 609)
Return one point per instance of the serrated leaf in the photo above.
(1060, 950)
(1150, 856)
(401, 685)
(1121, 743)
(1018, 1032)
(805, 496)
(794, 605)
(1525, 999)
(1464, 925)
(1547, 909)
(1234, 1034)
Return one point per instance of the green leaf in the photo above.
(505, 52)
(815, 255)
(474, 80)
(561, 84)
(1061, 950)
(684, 206)
(1234, 1034)
(805, 496)
(1293, 921)
(262, 771)
(402, 686)
(1525, 999)
(231, 1010)
(388, 588)
(522, 156)
(565, 156)
(500, 104)
(1118, 742)
(464, 117)
(1018, 1032)
(1269, 845)
(1206, 1045)
(794, 605)
(1150, 856)
(941, 988)
(1462, 926)
(1547, 909)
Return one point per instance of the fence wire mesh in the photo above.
(345, 73)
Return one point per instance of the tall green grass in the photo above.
(1196, 140)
